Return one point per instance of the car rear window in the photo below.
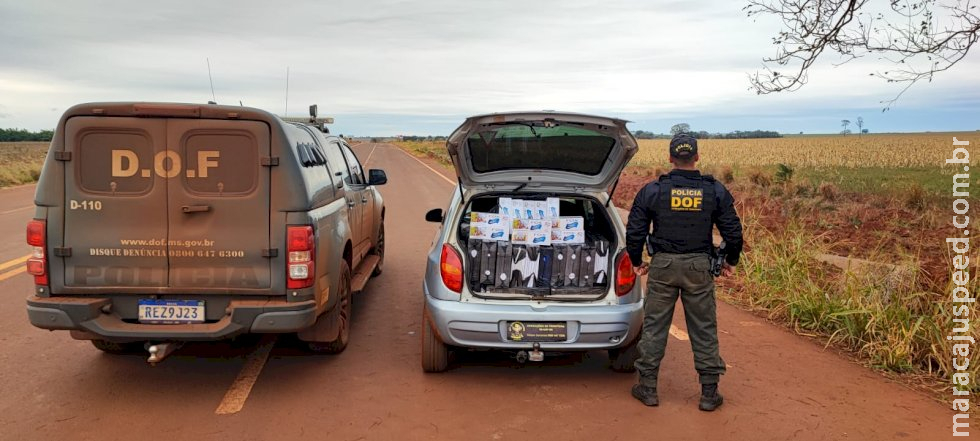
(221, 163)
(111, 162)
(526, 146)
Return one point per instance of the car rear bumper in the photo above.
(484, 325)
(90, 315)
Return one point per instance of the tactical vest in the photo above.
(684, 207)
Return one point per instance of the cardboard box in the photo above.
(531, 237)
(573, 223)
(528, 209)
(567, 237)
(489, 219)
(531, 224)
(540, 209)
(553, 210)
(486, 232)
(506, 206)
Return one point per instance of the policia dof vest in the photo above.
(684, 209)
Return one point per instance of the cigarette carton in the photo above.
(531, 224)
(490, 219)
(486, 232)
(574, 223)
(531, 237)
(567, 236)
(553, 210)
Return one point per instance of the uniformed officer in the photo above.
(683, 206)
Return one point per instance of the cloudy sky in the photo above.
(401, 67)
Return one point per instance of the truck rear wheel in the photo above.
(435, 353)
(111, 347)
(343, 311)
(379, 250)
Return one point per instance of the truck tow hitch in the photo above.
(160, 351)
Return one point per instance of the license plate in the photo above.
(537, 331)
(171, 311)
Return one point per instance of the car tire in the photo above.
(624, 359)
(379, 250)
(111, 347)
(344, 310)
(435, 353)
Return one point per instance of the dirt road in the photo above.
(779, 386)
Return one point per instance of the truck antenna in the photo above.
(285, 111)
(213, 99)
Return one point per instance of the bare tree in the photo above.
(860, 124)
(910, 34)
(844, 123)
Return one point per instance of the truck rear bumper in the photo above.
(242, 317)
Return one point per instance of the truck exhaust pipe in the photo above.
(160, 351)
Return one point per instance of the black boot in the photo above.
(710, 398)
(646, 394)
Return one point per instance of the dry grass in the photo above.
(852, 151)
(20, 162)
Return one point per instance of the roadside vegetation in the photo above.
(20, 162)
(845, 239)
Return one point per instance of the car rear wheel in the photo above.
(111, 347)
(343, 310)
(435, 353)
(623, 359)
(379, 250)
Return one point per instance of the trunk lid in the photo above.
(541, 149)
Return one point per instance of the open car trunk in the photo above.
(561, 252)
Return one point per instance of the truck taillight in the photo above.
(37, 264)
(625, 277)
(300, 252)
(451, 267)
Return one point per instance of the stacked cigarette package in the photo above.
(529, 248)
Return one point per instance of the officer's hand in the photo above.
(642, 269)
(727, 270)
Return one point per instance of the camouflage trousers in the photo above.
(687, 276)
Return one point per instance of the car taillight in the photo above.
(300, 251)
(37, 264)
(625, 277)
(451, 267)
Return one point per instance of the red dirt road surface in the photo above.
(779, 386)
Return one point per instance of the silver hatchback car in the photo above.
(531, 253)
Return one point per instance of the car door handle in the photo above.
(351, 203)
(364, 200)
(195, 208)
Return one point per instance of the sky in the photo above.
(389, 67)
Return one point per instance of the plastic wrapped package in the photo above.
(587, 269)
(488, 261)
(601, 269)
(573, 260)
(502, 268)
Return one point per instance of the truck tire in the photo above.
(379, 250)
(435, 353)
(623, 359)
(111, 347)
(343, 309)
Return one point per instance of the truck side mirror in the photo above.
(434, 215)
(377, 177)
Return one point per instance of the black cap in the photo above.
(683, 146)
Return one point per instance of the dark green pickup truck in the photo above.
(161, 223)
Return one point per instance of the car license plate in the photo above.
(537, 331)
(171, 312)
